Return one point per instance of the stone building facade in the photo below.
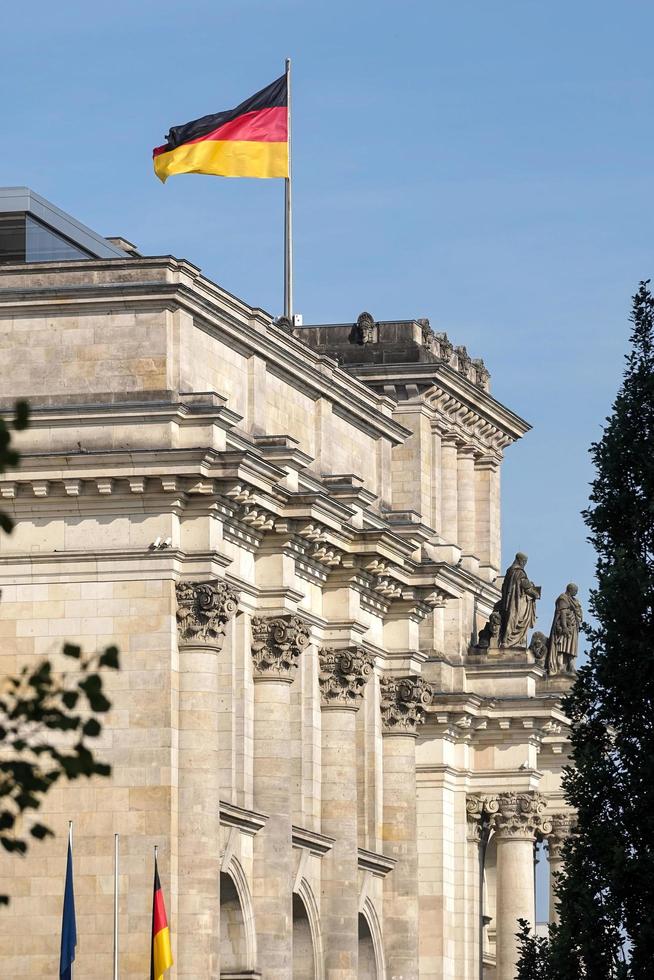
(293, 536)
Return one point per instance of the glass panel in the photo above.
(12, 237)
(45, 245)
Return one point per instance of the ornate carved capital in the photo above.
(343, 676)
(277, 643)
(203, 611)
(479, 812)
(403, 703)
(563, 825)
(520, 815)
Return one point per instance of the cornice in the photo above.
(379, 864)
(248, 821)
(439, 383)
(312, 841)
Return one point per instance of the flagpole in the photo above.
(116, 898)
(70, 844)
(288, 209)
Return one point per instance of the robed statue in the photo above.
(564, 635)
(517, 605)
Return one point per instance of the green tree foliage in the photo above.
(46, 718)
(606, 895)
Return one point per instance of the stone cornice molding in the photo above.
(203, 611)
(277, 642)
(403, 704)
(563, 826)
(343, 676)
(520, 816)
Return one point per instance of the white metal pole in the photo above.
(288, 210)
(116, 902)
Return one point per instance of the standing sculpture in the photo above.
(518, 604)
(564, 635)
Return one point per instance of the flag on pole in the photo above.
(248, 141)
(161, 956)
(68, 921)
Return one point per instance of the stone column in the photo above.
(343, 675)
(561, 829)
(203, 610)
(449, 477)
(277, 643)
(403, 703)
(479, 811)
(518, 820)
(466, 500)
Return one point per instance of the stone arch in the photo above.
(304, 903)
(238, 941)
(371, 946)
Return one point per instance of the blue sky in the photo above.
(487, 165)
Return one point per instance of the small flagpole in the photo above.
(116, 902)
(70, 844)
(288, 210)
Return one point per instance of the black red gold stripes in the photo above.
(248, 141)
(161, 956)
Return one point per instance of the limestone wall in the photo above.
(294, 561)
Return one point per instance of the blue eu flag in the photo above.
(68, 923)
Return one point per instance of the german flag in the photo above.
(248, 141)
(161, 956)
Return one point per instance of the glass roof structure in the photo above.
(34, 230)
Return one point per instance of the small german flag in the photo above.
(248, 141)
(161, 956)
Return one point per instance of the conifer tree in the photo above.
(606, 894)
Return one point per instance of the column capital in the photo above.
(479, 812)
(343, 676)
(403, 703)
(203, 611)
(485, 462)
(277, 642)
(563, 826)
(466, 450)
(520, 816)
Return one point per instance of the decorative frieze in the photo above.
(343, 676)
(203, 611)
(563, 825)
(520, 815)
(277, 643)
(403, 703)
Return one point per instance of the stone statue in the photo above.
(564, 635)
(538, 647)
(489, 635)
(518, 604)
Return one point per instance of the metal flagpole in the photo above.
(70, 844)
(116, 897)
(288, 210)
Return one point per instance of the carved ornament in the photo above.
(403, 703)
(343, 676)
(480, 811)
(204, 609)
(277, 643)
(363, 331)
(520, 816)
(563, 826)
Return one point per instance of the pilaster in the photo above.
(343, 675)
(203, 612)
(277, 643)
(403, 703)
